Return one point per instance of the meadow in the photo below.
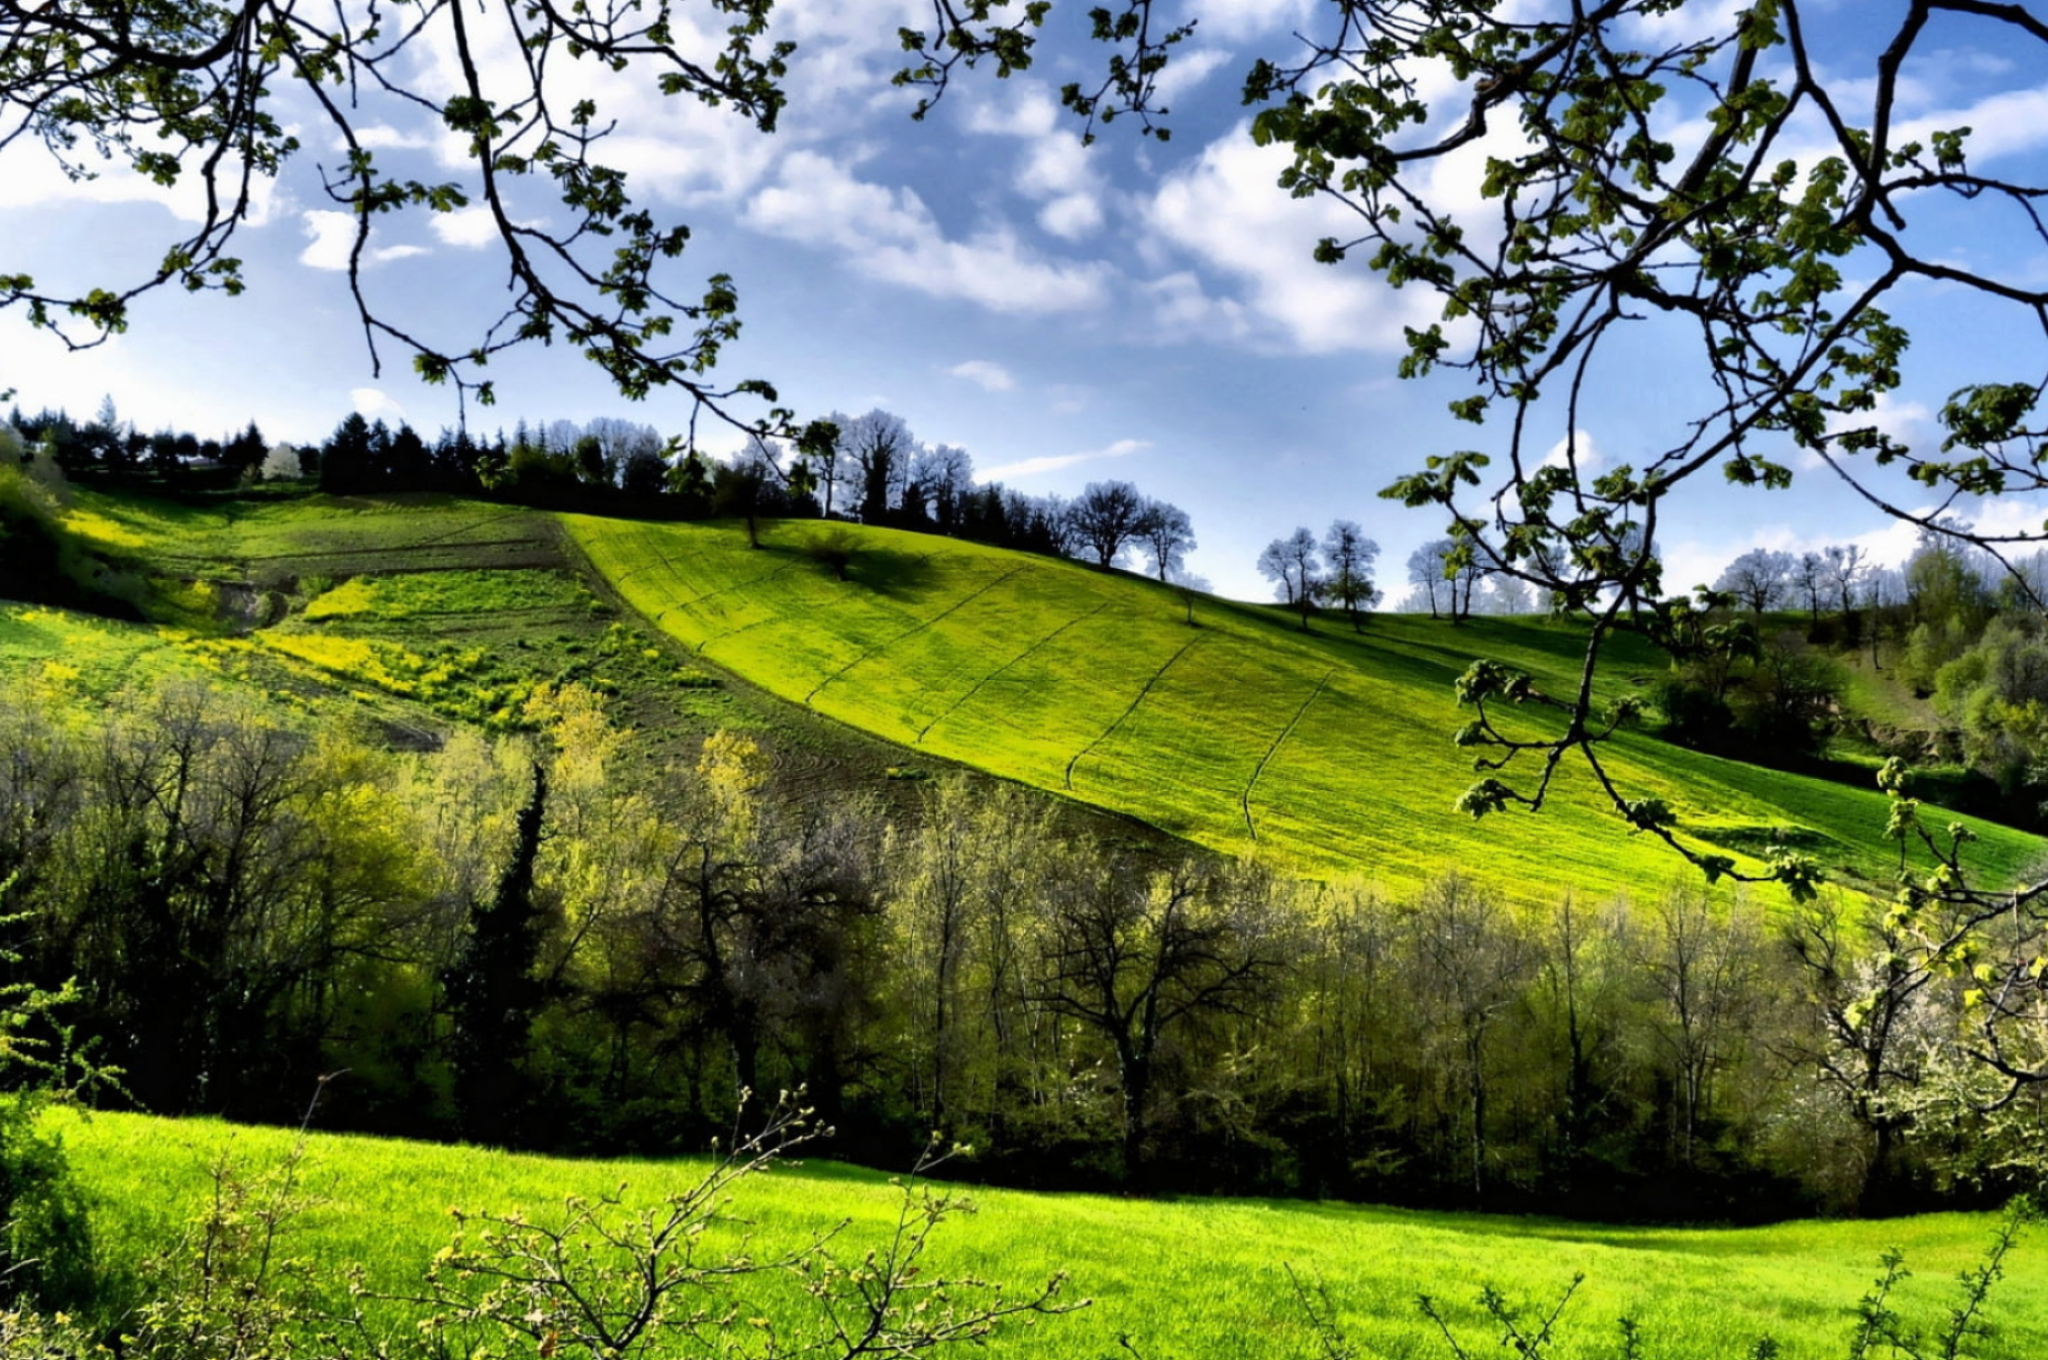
(1198, 1278)
(1326, 752)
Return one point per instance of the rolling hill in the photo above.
(1327, 752)
(1324, 753)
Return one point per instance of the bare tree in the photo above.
(870, 461)
(1758, 578)
(1349, 556)
(1106, 517)
(1168, 535)
(1295, 565)
(1845, 567)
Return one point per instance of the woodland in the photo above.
(589, 892)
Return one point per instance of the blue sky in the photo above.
(1128, 310)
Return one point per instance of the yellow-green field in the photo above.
(1328, 752)
(1203, 1278)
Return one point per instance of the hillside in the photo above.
(1327, 752)
(1183, 1279)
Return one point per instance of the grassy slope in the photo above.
(1190, 1279)
(1328, 752)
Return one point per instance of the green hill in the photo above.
(1326, 752)
(1190, 1280)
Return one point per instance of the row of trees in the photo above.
(1337, 571)
(513, 942)
(868, 467)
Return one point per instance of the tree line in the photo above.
(867, 467)
(517, 941)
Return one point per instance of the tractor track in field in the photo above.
(1245, 799)
(975, 689)
(657, 616)
(1121, 717)
(918, 627)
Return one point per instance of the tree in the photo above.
(1106, 517)
(1349, 556)
(1759, 578)
(492, 993)
(244, 454)
(1296, 568)
(942, 476)
(1168, 535)
(1137, 960)
(1844, 567)
(870, 460)
(1426, 570)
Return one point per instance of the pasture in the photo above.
(1327, 752)
(1189, 1279)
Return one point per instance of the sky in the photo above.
(1067, 314)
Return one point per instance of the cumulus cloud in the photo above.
(374, 404)
(1122, 448)
(1236, 20)
(467, 227)
(1578, 446)
(889, 234)
(333, 237)
(1187, 70)
(991, 377)
(1056, 170)
(1226, 209)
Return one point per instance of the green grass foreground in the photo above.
(1327, 752)
(1187, 1279)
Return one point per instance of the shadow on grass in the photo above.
(892, 572)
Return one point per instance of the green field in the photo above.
(1328, 752)
(1186, 1279)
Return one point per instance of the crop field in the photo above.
(1328, 752)
(1206, 1278)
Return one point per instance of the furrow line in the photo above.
(1156, 677)
(961, 603)
(1245, 800)
(961, 702)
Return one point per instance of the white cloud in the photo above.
(992, 377)
(384, 137)
(1909, 422)
(373, 404)
(889, 234)
(467, 227)
(34, 177)
(1071, 217)
(1122, 448)
(1691, 23)
(1577, 446)
(1227, 210)
(1235, 20)
(1056, 169)
(334, 237)
(1025, 110)
(1187, 70)
(2002, 124)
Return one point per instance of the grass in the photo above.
(1327, 752)
(1192, 1279)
